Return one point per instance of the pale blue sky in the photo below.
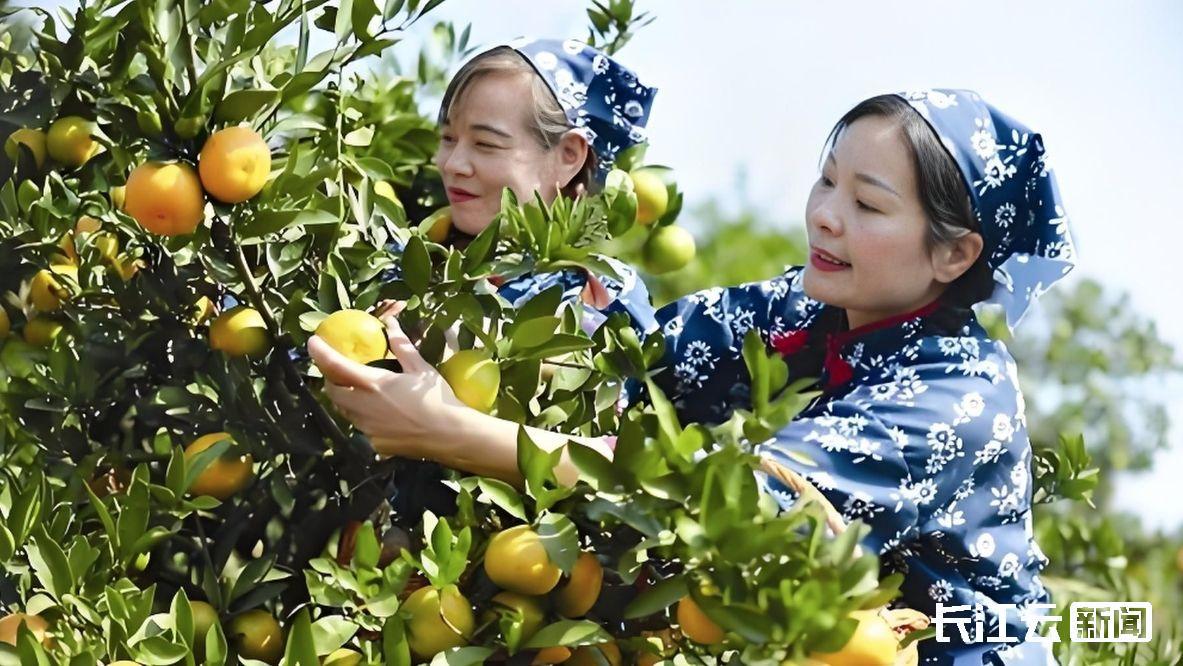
(755, 85)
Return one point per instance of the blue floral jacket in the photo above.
(920, 434)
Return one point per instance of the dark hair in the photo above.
(549, 122)
(943, 192)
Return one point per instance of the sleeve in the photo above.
(628, 295)
(937, 463)
(703, 372)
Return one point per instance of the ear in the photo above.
(952, 260)
(571, 156)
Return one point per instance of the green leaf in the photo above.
(533, 332)
(301, 648)
(245, 104)
(395, 649)
(465, 656)
(416, 266)
(657, 597)
(366, 550)
(569, 633)
(503, 495)
(331, 632)
(561, 540)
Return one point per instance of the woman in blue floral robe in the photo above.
(920, 431)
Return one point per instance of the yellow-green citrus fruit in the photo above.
(356, 334)
(225, 475)
(652, 196)
(440, 619)
(240, 331)
(517, 561)
(71, 141)
(257, 635)
(49, 289)
(474, 378)
(33, 139)
(668, 249)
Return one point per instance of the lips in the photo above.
(458, 195)
(824, 261)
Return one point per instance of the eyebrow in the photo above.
(481, 127)
(867, 178)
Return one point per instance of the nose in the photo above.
(823, 217)
(455, 161)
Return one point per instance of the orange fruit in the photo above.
(551, 655)
(165, 198)
(5, 323)
(40, 331)
(873, 643)
(358, 335)
(579, 594)
(205, 617)
(517, 561)
(36, 624)
(531, 608)
(439, 224)
(585, 656)
(71, 140)
(33, 139)
(107, 243)
(474, 377)
(240, 331)
(257, 635)
(225, 475)
(695, 623)
(234, 164)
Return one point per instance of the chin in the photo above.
(471, 222)
(815, 288)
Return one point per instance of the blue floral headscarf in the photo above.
(602, 99)
(1013, 191)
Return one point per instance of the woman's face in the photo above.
(865, 212)
(487, 144)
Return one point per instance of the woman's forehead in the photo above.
(875, 145)
(500, 99)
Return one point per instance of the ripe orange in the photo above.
(106, 243)
(356, 334)
(551, 655)
(33, 139)
(9, 625)
(258, 635)
(439, 224)
(71, 141)
(224, 476)
(40, 331)
(531, 608)
(234, 164)
(240, 331)
(165, 198)
(517, 561)
(586, 656)
(695, 623)
(873, 643)
(579, 594)
(474, 378)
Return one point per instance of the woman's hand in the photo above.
(405, 414)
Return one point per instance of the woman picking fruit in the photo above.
(927, 204)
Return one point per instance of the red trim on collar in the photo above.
(838, 371)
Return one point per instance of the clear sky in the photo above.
(753, 87)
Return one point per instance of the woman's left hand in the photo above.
(405, 414)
